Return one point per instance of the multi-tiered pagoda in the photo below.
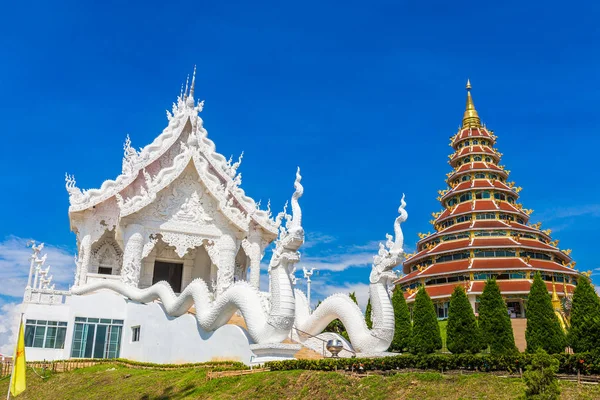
(483, 232)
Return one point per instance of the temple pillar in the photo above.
(85, 254)
(253, 247)
(132, 257)
(227, 247)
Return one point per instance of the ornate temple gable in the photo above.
(151, 169)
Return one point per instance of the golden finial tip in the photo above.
(468, 84)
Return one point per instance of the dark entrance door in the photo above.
(170, 272)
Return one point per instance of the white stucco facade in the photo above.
(162, 339)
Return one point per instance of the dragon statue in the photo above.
(268, 323)
(340, 306)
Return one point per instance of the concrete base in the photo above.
(273, 352)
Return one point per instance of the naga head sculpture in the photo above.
(390, 254)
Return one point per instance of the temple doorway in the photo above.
(170, 272)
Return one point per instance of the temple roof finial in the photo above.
(193, 83)
(471, 118)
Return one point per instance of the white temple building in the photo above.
(171, 249)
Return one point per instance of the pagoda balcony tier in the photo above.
(507, 287)
(470, 151)
(472, 133)
(477, 241)
(481, 206)
(475, 149)
(476, 185)
(477, 265)
(474, 167)
(505, 243)
(478, 225)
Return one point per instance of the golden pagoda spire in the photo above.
(555, 300)
(471, 118)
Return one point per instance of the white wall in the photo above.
(163, 339)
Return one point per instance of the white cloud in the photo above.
(9, 327)
(317, 238)
(552, 214)
(14, 265)
(361, 290)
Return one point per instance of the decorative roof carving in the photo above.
(150, 169)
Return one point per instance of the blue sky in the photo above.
(363, 96)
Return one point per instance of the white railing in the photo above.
(45, 296)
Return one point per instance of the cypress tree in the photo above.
(494, 322)
(462, 332)
(584, 310)
(368, 319)
(402, 324)
(426, 336)
(543, 328)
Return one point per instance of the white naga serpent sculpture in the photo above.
(264, 326)
(340, 306)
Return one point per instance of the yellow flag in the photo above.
(17, 382)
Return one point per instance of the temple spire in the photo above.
(471, 118)
(193, 83)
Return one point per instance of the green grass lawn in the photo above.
(110, 381)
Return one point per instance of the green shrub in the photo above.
(462, 332)
(585, 311)
(426, 336)
(494, 322)
(543, 327)
(402, 323)
(540, 377)
(586, 363)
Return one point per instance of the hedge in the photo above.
(587, 363)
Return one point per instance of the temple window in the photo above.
(441, 309)
(466, 159)
(494, 253)
(451, 257)
(511, 200)
(507, 217)
(492, 176)
(479, 175)
(45, 334)
(105, 270)
(482, 194)
(135, 333)
(463, 218)
(518, 275)
(96, 338)
(452, 201)
(520, 220)
(465, 197)
(477, 158)
(499, 196)
(486, 216)
(536, 255)
(466, 178)
(488, 159)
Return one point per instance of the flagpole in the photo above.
(12, 373)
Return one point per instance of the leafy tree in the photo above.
(368, 319)
(584, 310)
(543, 327)
(540, 377)
(494, 322)
(426, 336)
(462, 332)
(402, 324)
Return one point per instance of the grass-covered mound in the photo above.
(112, 381)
